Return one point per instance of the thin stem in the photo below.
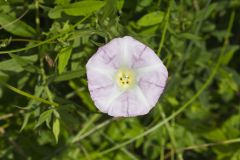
(230, 141)
(164, 29)
(6, 116)
(162, 150)
(73, 93)
(16, 20)
(85, 127)
(46, 41)
(29, 95)
(85, 152)
(81, 136)
(44, 77)
(37, 19)
(124, 150)
(197, 29)
(21, 40)
(159, 3)
(171, 134)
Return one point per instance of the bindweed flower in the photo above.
(125, 78)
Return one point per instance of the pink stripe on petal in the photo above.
(104, 59)
(140, 55)
(129, 104)
(152, 84)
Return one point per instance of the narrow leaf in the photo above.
(13, 64)
(83, 95)
(151, 19)
(63, 58)
(67, 75)
(43, 117)
(27, 64)
(190, 36)
(56, 129)
(29, 95)
(81, 8)
(16, 26)
(229, 54)
(25, 121)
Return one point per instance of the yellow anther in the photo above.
(125, 78)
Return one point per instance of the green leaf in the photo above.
(82, 8)
(190, 36)
(25, 121)
(10, 65)
(63, 58)
(55, 12)
(5, 42)
(215, 135)
(236, 155)
(229, 54)
(24, 60)
(16, 26)
(151, 18)
(15, 64)
(69, 75)
(44, 117)
(109, 10)
(120, 4)
(231, 127)
(205, 13)
(27, 64)
(62, 2)
(172, 100)
(3, 76)
(84, 96)
(56, 128)
(56, 114)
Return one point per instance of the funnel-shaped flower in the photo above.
(125, 78)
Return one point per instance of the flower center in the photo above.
(125, 78)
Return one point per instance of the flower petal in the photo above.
(130, 48)
(106, 59)
(151, 68)
(101, 89)
(121, 49)
(130, 103)
(138, 54)
(152, 84)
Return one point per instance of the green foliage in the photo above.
(15, 26)
(63, 58)
(56, 129)
(151, 19)
(44, 117)
(82, 8)
(46, 111)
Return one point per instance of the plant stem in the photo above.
(165, 28)
(29, 95)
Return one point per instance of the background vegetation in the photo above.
(45, 108)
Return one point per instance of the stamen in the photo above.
(125, 78)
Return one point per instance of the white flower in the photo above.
(125, 78)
